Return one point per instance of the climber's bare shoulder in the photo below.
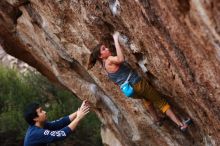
(111, 64)
(114, 60)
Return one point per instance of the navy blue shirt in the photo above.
(52, 131)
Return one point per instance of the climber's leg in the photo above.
(173, 117)
(139, 89)
(150, 108)
(183, 125)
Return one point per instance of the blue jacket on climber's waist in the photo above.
(120, 76)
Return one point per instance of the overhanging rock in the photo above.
(177, 42)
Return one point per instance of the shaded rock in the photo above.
(177, 42)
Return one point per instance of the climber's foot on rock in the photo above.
(185, 125)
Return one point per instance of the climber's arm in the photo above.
(120, 57)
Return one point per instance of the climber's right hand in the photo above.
(116, 35)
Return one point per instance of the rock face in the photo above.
(12, 62)
(177, 41)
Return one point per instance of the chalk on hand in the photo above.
(114, 6)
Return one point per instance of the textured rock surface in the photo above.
(12, 62)
(178, 41)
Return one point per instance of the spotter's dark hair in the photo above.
(30, 112)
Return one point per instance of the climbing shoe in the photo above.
(186, 123)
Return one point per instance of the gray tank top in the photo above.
(121, 75)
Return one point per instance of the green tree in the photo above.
(17, 90)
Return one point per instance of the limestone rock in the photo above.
(12, 62)
(177, 41)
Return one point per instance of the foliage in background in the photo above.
(17, 90)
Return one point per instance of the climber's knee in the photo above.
(147, 103)
(165, 108)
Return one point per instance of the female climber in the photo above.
(119, 72)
